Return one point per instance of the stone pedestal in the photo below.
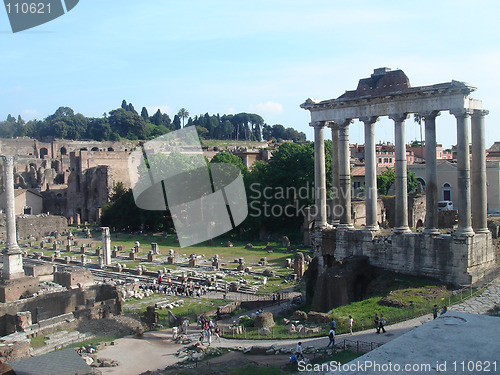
(98, 252)
(151, 256)
(115, 253)
(69, 248)
(82, 249)
(55, 246)
(171, 259)
(193, 262)
(133, 255)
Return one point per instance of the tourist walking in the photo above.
(217, 333)
(333, 324)
(331, 336)
(351, 320)
(299, 351)
(435, 311)
(381, 323)
(376, 323)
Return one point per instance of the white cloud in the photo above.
(267, 108)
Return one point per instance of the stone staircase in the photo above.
(58, 340)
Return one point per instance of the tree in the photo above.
(227, 157)
(386, 179)
(177, 122)
(124, 104)
(183, 114)
(144, 114)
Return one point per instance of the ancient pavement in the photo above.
(156, 350)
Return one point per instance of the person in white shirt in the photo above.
(299, 351)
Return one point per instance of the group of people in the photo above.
(443, 310)
(276, 298)
(173, 290)
(208, 330)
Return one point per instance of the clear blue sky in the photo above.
(254, 56)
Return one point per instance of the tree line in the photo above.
(126, 123)
(277, 192)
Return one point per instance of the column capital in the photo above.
(317, 124)
(399, 117)
(429, 114)
(462, 112)
(479, 112)
(369, 119)
(340, 122)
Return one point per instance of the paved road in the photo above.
(156, 350)
(482, 303)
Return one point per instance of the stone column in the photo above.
(344, 174)
(431, 213)
(319, 174)
(479, 196)
(401, 214)
(106, 245)
(12, 255)
(370, 173)
(463, 164)
(335, 212)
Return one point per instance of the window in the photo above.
(27, 210)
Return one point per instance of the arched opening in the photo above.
(95, 149)
(43, 152)
(446, 191)
(83, 149)
(420, 224)
(111, 149)
(63, 151)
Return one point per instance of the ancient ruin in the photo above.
(463, 257)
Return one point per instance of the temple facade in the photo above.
(463, 257)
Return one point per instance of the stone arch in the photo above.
(43, 152)
(420, 224)
(63, 151)
(95, 149)
(111, 149)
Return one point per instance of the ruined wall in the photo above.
(54, 304)
(40, 225)
(452, 260)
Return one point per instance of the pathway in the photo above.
(156, 350)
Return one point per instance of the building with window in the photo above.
(27, 201)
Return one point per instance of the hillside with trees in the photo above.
(126, 123)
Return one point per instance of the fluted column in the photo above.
(345, 175)
(401, 222)
(319, 174)
(335, 209)
(479, 196)
(463, 164)
(12, 257)
(431, 214)
(370, 173)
